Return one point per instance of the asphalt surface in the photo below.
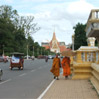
(28, 83)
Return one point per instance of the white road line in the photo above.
(5, 81)
(22, 74)
(33, 70)
(40, 97)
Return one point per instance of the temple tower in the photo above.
(54, 44)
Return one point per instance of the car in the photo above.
(50, 57)
(41, 57)
(53, 56)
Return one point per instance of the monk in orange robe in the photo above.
(66, 66)
(56, 67)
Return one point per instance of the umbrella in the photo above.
(68, 53)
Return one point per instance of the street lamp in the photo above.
(38, 51)
(33, 50)
(27, 51)
(3, 50)
(73, 42)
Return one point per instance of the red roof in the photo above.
(63, 48)
(46, 47)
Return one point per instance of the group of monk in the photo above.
(57, 64)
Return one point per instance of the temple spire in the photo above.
(54, 36)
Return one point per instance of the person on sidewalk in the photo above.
(66, 66)
(56, 67)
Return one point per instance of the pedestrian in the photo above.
(46, 59)
(56, 67)
(66, 66)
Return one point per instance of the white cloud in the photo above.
(34, 0)
(61, 15)
(9, 1)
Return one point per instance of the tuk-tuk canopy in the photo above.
(17, 54)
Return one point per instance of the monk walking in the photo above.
(66, 66)
(56, 67)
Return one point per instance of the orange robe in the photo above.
(56, 67)
(66, 66)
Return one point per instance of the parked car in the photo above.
(41, 57)
(53, 56)
(50, 57)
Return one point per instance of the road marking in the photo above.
(33, 70)
(5, 81)
(22, 74)
(40, 97)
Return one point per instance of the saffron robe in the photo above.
(66, 66)
(56, 67)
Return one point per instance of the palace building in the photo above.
(54, 45)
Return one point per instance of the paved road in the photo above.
(27, 83)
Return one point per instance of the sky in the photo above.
(54, 15)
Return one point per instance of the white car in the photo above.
(50, 57)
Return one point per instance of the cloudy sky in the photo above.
(62, 15)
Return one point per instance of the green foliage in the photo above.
(13, 31)
(16, 31)
(80, 38)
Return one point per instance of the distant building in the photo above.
(54, 45)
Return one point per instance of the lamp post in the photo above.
(38, 51)
(33, 50)
(73, 42)
(3, 50)
(27, 51)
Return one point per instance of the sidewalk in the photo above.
(71, 89)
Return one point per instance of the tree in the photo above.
(7, 12)
(26, 23)
(15, 31)
(7, 29)
(80, 36)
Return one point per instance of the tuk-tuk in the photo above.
(17, 60)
